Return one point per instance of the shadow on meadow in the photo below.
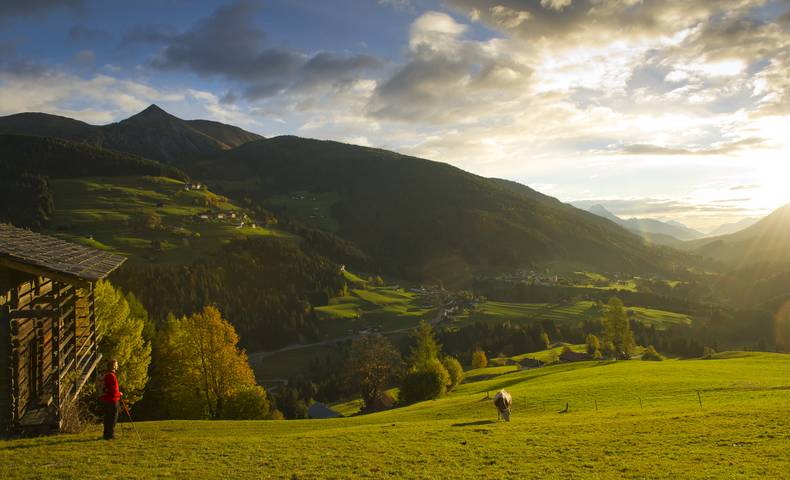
(472, 424)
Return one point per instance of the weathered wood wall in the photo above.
(50, 344)
(5, 351)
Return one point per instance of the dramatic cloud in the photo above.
(722, 148)
(449, 78)
(156, 34)
(83, 34)
(11, 8)
(574, 22)
(229, 44)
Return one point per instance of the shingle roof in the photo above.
(53, 254)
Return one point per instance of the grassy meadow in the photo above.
(742, 430)
(573, 313)
(110, 214)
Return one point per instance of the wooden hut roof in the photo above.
(35, 253)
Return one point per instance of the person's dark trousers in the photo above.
(110, 419)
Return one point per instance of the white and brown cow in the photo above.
(502, 402)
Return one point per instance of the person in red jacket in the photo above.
(111, 398)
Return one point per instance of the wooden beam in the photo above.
(44, 272)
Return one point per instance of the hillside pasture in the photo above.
(571, 313)
(112, 213)
(383, 309)
(739, 431)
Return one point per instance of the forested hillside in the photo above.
(416, 217)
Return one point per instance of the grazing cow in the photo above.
(503, 401)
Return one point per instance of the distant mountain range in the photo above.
(733, 227)
(152, 133)
(414, 217)
(664, 233)
(765, 242)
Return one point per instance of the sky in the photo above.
(670, 109)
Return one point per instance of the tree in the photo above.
(122, 326)
(651, 354)
(593, 344)
(153, 221)
(428, 383)
(544, 339)
(248, 404)
(782, 329)
(454, 370)
(425, 349)
(202, 366)
(372, 361)
(479, 359)
(617, 328)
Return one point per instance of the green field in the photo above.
(564, 313)
(385, 309)
(110, 213)
(742, 430)
(388, 310)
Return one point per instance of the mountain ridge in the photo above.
(151, 133)
(667, 233)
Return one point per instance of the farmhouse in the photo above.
(569, 355)
(319, 410)
(530, 363)
(48, 335)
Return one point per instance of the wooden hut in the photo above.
(48, 335)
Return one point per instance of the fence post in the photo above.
(640, 403)
(699, 397)
(596, 404)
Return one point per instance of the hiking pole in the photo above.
(126, 409)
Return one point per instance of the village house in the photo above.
(48, 334)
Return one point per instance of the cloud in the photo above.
(656, 207)
(13, 8)
(448, 78)
(151, 33)
(84, 57)
(12, 64)
(84, 34)
(230, 45)
(720, 148)
(568, 23)
(400, 5)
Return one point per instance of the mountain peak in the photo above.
(602, 211)
(153, 112)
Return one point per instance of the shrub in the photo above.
(593, 344)
(276, 415)
(651, 354)
(455, 371)
(479, 359)
(426, 384)
(608, 350)
(708, 353)
(597, 355)
(248, 404)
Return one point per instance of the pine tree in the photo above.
(617, 328)
(425, 349)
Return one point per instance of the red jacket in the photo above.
(111, 392)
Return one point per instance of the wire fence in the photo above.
(696, 399)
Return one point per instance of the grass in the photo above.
(110, 214)
(383, 308)
(565, 313)
(389, 310)
(741, 431)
